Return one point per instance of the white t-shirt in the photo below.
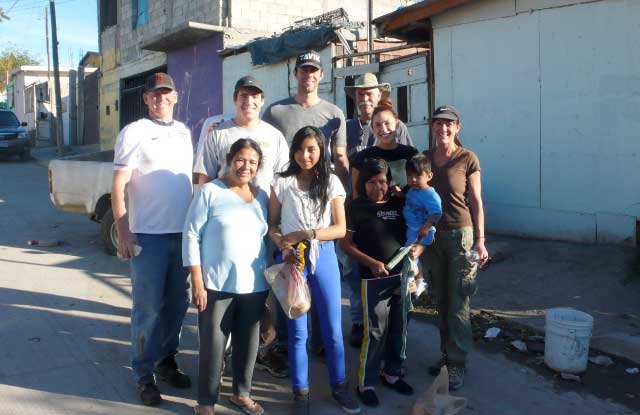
(211, 158)
(298, 211)
(160, 158)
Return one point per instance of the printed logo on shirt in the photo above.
(388, 215)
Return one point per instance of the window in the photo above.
(140, 13)
(42, 92)
(108, 14)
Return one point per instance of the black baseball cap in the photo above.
(446, 112)
(309, 58)
(248, 82)
(159, 80)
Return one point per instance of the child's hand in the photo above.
(416, 250)
(289, 257)
(424, 230)
(378, 269)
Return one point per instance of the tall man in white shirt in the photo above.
(150, 198)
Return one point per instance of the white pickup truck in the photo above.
(82, 184)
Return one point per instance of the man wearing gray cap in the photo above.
(248, 98)
(367, 93)
(307, 108)
(150, 198)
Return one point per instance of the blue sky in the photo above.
(77, 28)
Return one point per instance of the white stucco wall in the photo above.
(33, 75)
(548, 97)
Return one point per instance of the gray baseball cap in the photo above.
(446, 112)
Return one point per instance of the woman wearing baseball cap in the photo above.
(456, 178)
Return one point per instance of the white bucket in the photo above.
(566, 343)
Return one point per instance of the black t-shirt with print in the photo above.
(378, 230)
(396, 158)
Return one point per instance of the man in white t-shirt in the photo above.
(248, 98)
(150, 198)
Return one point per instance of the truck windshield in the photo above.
(8, 119)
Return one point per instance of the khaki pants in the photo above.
(454, 281)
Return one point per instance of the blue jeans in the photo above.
(160, 295)
(325, 294)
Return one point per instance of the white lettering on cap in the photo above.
(310, 56)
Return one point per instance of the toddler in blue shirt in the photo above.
(423, 207)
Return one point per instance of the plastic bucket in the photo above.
(566, 343)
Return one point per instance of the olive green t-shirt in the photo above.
(451, 181)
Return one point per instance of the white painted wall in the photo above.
(549, 100)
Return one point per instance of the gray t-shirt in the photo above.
(288, 116)
(212, 153)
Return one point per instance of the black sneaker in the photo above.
(345, 399)
(400, 386)
(356, 336)
(456, 377)
(368, 397)
(272, 362)
(168, 371)
(149, 394)
(300, 403)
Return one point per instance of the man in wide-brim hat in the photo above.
(367, 93)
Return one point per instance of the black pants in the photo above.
(228, 314)
(382, 309)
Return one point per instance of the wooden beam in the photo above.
(420, 12)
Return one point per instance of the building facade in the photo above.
(138, 37)
(547, 92)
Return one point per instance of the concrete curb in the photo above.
(615, 344)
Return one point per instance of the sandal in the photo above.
(252, 408)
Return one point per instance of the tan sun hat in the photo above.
(368, 81)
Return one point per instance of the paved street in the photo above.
(64, 332)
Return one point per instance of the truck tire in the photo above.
(109, 233)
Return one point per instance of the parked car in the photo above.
(82, 184)
(14, 139)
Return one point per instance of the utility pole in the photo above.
(52, 119)
(370, 30)
(56, 78)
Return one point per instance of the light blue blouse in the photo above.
(225, 236)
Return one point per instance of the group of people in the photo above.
(285, 188)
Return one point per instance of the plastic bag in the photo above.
(290, 288)
(436, 400)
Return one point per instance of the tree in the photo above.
(3, 15)
(11, 58)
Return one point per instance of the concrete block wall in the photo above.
(248, 18)
(275, 15)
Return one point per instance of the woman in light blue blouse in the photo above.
(223, 246)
